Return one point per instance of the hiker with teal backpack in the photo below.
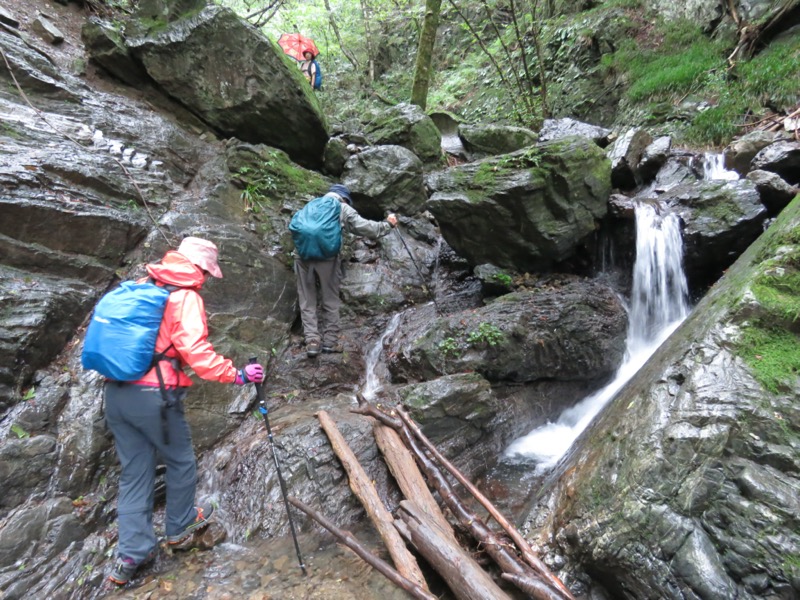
(317, 234)
(145, 412)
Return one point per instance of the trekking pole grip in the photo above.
(259, 389)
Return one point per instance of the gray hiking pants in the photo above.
(329, 273)
(133, 414)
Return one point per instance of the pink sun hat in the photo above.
(201, 253)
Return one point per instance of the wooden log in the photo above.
(362, 487)
(534, 588)
(405, 471)
(465, 578)
(508, 561)
(378, 564)
(524, 548)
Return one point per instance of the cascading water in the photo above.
(714, 168)
(658, 305)
(372, 378)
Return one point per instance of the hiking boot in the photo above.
(125, 567)
(332, 348)
(204, 513)
(312, 349)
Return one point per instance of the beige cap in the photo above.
(201, 253)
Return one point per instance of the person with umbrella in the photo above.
(303, 50)
(311, 70)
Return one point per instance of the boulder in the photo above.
(554, 129)
(740, 153)
(626, 154)
(335, 156)
(775, 193)
(407, 125)
(655, 156)
(8, 18)
(528, 210)
(105, 44)
(385, 179)
(782, 158)
(488, 140)
(570, 330)
(720, 220)
(47, 30)
(255, 93)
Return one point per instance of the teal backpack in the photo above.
(316, 230)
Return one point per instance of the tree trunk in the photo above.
(408, 477)
(365, 11)
(351, 542)
(427, 40)
(466, 579)
(364, 490)
(335, 27)
(522, 545)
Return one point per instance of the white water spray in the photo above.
(714, 168)
(372, 379)
(658, 305)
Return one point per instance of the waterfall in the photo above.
(714, 167)
(372, 379)
(658, 305)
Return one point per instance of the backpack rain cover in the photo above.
(121, 338)
(316, 230)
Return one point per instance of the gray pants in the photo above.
(133, 414)
(329, 273)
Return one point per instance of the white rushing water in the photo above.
(372, 378)
(658, 305)
(714, 168)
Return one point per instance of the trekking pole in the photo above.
(411, 256)
(416, 266)
(262, 408)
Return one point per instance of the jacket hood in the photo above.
(176, 269)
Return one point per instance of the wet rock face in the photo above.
(528, 210)
(721, 219)
(783, 158)
(39, 314)
(709, 510)
(574, 331)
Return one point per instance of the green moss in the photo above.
(770, 343)
(772, 353)
(485, 176)
(778, 291)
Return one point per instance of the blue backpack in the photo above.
(316, 230)
(318, 77)
(121, 338)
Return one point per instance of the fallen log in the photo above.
(378, 564)
(362, 487)
(489, 541)
(465, 578)
(406, 473)
(524, 548)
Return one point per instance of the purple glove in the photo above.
(250, 374)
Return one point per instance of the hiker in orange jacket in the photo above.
(146, 425)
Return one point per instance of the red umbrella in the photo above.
(295, 45)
